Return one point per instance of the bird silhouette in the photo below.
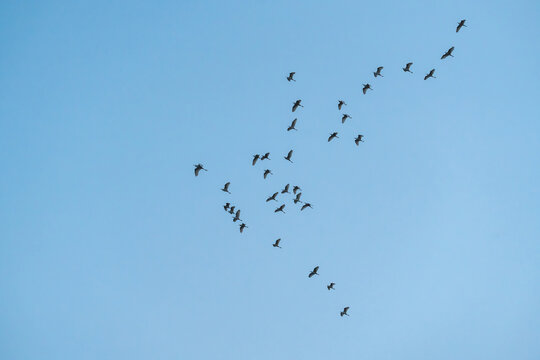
(276, 244)
(430, 75)
(344, 312)
(296, 105)
(340, 104)
(448, 53)
(226, 188)
(378, 72)
(285, 189)
(331, 286)
(345, 117)
(295, 189)
(289, 155)
(231, 210)
(237, 216)
(407, 67)
(314, 272)
(332, 136)
(242, 226)
(297, 198)
(358, 139)
(265, 156)
(198, 169)
(291, 77)
(280, 209)
(292, 126)
(266, 172)
(366, 88)
(273, 197)
(306, 205)
(226, 206)
(460, 25)
(255, 158)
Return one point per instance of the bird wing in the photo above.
(316, 269)
(292, 74)
(238, 214)
(364, 90)
(293, 124)
(227, 186)
(286, 187)
(197, 170)
(290, 154)
(295, 106)
(277, 241)
(380, 68)
(346, 309)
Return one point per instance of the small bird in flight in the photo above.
(297, 198)
(292, 126)
(340, 104)
(280, 209)
(460, 25)
(430, 75)
(255, 158)
(448, 53)
(242, 227)
(366, 88)
(296, 105)
(265, 156)
(358, 139)
(198, 168)
(344, 312)
(289, 155)
(295, 189)
(306, 205)
(331, 286)
(266, 172)
(237, 216)
(231, 210)
(273, 197)
(276, 244)
(226, 206)
(291, 77)
(345, 117)
(314, 272)
(407, 67)
(285, 189)
(378, 72)
(226, 188)
(332, 136)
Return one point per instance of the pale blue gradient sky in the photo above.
(110, 248)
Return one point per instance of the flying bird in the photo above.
(448, 53)
(366, 88)
(344, 312)
(306, 205)
(296, 188)
(265, 157)
(340, 104)
(231, 210)
(242, 226)
(255, 158)
(237, 216)
(358, 139)
(332, 136)
(314, 271)
(226, 206)
(266, 172)
(226, 188)
(280, 209)
(297, 198)
(407, 68)
(378, 72)
(296, 105)
(276, 244)
(273, 197)
(289, 155)
(198, 168)
(291, 77)
(345, 117)
(331, 286)
(285, 189)
(430, 75)
(292, 126)
(460, 25)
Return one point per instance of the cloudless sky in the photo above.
(110, 247)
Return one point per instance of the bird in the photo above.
(237, 216)
(430, 74)
(378, 72)
(226, 206)
(340, 104)
(242, 226)
(332, 136)
(273, 197)
(344, 312)
(306, 205)
(255, 158)
(231, 210)
(297, 198)
(276, 244)
(226, 188)
(198, 168)
(292, 126)
(331, 286)
(460, 25)
(448, 53)
(407, 68)
(285, 189)
(345, 117)
(266, 172)
(289, 155)
(291, 77)
(366, 88)
(280, 209)
(296, 105)
(359, 139)
(314, 271)
(296, 188)
(265, 156)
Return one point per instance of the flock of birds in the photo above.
(231, 209)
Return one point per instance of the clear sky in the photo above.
(110, 247)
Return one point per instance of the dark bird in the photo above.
(345, 117)
(314, 271)
(242, 227)
(280, 209)
(273, 197)
(291, 77)
(295, 189)
(358, 139)
(332, 136)
(198, 168)
(265, 157)
(289, 155)
(297, 198)
(340, 104)
(231, 210)
(306, 205)
(448, 53)
(331, 286)
(430, 75)
(226, 188)
(285, 189)
(266, 172)
(460, 25)
(276, 244)
(366, 88)
(344, 312)
(292, 126)
(226, 206)
(237, 216)
(407, 68)
(378, 72)
(255, 158)
(296, 105)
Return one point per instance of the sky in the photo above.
(111, 248)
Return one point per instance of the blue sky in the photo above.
(110, 248)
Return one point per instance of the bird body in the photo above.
(430, 74)
(276, 244)
(332, 136)
(448, 53)
(460, 25)
(305, 206)
(344, 312)
(359, 139)
(378, 72)
(407, 67)
(291, 77)
(292, 126)
(314, 272)
(366, 88)
(289, 155)
(280, 209)
(198, 169)
(266, 172)
(296, 104)
(226, 188)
